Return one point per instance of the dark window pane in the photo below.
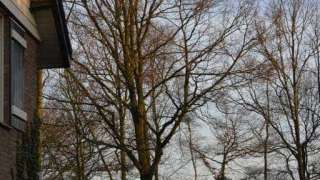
(17, 84)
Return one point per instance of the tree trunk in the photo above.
(156, 174)
(223, 167)
(122, 119)
(266, 152)
(147, 176)
(141, 134)
(193, 160)
(122, 153)
(301, 167)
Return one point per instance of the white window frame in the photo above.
(16, 36)
(14, 109)
(19, 113)
(1, 70)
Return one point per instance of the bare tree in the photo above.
(147, 76)
(65, 150)
(118, 44)
(283, 90)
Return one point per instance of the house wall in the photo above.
(11, 160)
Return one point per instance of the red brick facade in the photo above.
(11, 138)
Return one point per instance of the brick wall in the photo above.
(10, 138)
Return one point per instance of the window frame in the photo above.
(16, 111)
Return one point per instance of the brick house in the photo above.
(33, 36)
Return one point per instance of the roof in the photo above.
(52, 26)
(19, 9)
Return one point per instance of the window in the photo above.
(17, 84)
(18, 45)
(1, 70)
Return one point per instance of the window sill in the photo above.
(5, 125)
(19, 113)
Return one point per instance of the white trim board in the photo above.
(19, 113)
(23, 15)
(16, 36)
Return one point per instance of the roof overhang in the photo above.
(55, 49)
(23, 15)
